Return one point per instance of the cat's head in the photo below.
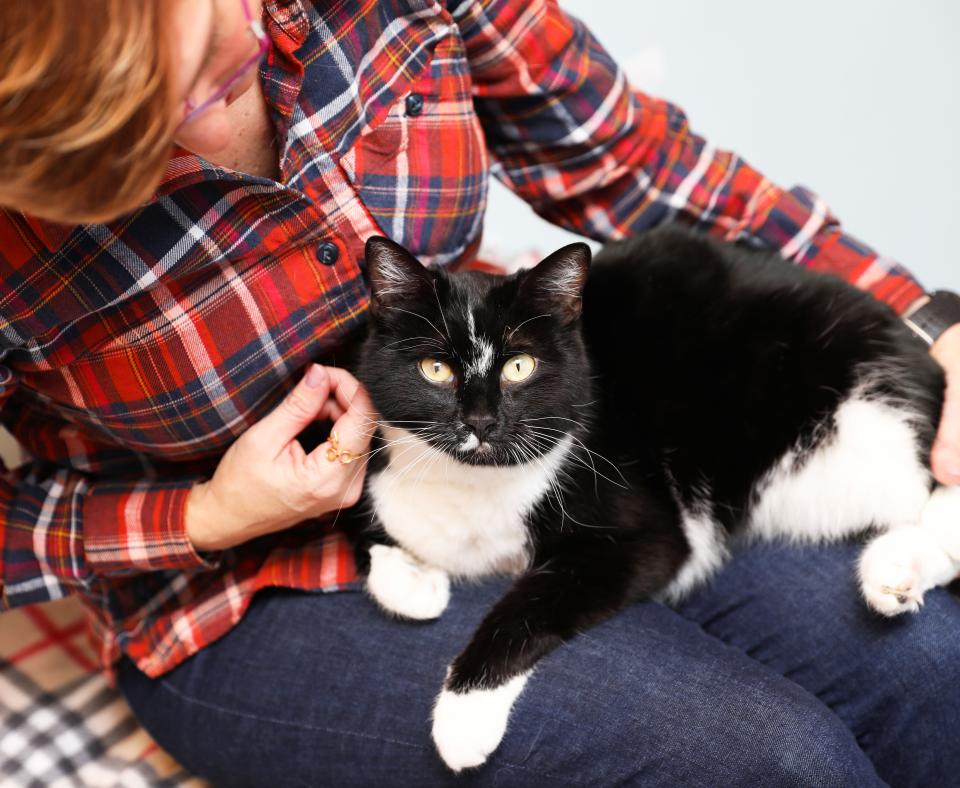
(489, 369)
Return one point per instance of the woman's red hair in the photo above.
(86, 106)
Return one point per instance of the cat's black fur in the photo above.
(695, 365)
(737, 356)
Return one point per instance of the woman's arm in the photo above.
(591, 154)
(60, 529)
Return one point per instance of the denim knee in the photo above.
(905, 709)
(754, 732)
(803, 745)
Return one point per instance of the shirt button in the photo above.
(328, 253)
(414, 104)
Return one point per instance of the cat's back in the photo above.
(707, 350)
(673, 276)
(691, 307)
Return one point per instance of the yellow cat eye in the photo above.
(519, 368)
(435, 371)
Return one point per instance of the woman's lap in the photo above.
(325, 690)
(895, 683)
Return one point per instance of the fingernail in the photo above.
(315, 376)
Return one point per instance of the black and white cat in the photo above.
(601, 438)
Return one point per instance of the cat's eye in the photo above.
(435, 371)
(519, 367)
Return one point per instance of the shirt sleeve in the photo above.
(588, 152)
(61, 529)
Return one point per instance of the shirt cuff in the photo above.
(140, 527)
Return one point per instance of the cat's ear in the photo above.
(556, 283)
(396, 276)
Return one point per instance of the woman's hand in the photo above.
(945, 456)
(266, 481)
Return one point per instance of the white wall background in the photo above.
(857, 99)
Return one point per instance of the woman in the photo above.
(183, 239)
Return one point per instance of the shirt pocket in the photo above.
(422, 169)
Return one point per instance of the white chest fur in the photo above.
(465, 519)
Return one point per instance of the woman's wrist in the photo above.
(217, 521)
(946, 348)
(200, 521)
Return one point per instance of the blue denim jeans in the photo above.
(775, 674)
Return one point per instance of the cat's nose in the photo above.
(482, 426)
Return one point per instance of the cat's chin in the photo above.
(485, 454)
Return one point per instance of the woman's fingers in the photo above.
(297, 410)
(945, 455)
(357, 419)
(350, 409)
(331, 411)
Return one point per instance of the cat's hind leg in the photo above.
(899, 566)
(869, 471)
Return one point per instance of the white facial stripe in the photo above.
(482, 350)
(482, 360)
(471, 326)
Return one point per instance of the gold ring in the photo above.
(336, 454)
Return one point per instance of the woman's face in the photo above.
(212, 39)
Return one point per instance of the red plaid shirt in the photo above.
(133, 353)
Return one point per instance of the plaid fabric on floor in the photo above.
(61, 724)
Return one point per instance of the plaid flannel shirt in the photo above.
(132, 353)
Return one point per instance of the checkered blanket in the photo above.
(61, 724)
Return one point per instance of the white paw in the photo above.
(468, 726)
(896, 569)
(404, 586)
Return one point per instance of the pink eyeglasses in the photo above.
(263, 44)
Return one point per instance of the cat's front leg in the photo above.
(404, 586)
(556, 599)
(468, 724)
